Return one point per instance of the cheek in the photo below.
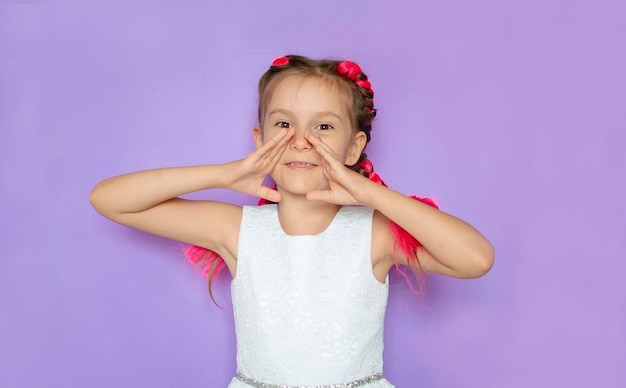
(348, 145)
(341, 151)
(269, 131)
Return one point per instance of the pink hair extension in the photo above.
(205, 259)
(210, 262)
(409, 246)
(403, 240)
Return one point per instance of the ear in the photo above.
(257, 132)
(356, 148)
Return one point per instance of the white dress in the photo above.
(308, 309)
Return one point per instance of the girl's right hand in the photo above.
(247, 175)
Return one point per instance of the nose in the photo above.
(299, 142)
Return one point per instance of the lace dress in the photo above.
(308, 309)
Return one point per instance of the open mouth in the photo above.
(301, 164)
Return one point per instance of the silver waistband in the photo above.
(351, 384)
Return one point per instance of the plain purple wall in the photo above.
(511, 114)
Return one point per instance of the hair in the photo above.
(353, 85)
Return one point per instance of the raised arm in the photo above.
(148, 200)
(450, 246)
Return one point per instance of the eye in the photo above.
(324, 127)
(283, 124)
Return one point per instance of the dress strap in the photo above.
(351, 384)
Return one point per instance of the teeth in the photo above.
(301, 164)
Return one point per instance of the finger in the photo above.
(320, 195)
(327, 167)
(271, 155)
(279, 139)
(269, 194)
(278, 155)
(330, 163)
(259, 154)
(281, 146)
(275, 154)
(312, 137)
(280, 136)
(324, 149)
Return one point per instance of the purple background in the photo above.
(510, 114)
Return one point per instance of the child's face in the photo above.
(314, 106)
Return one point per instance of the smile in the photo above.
(301, 164)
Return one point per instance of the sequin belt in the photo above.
(351, 384)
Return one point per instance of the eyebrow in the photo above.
(318, 114)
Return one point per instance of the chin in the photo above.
(301, 188)
(300, 185)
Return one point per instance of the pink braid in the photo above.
(353, 72)
(205, 259)
(348, 69)
(403, 239)
(211, 263)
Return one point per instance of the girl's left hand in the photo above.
(346, 186)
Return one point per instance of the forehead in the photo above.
(309, 93)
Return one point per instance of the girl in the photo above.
(309, 269)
